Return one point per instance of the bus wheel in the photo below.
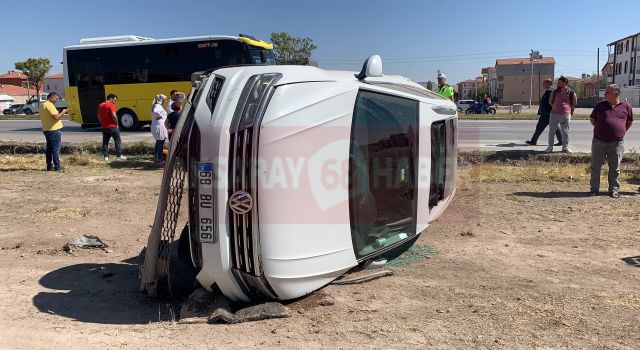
(127, 120)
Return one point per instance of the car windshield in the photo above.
(382, 172)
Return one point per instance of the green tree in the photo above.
(429, 85)
(578, 87)
(478, 94)
(35, 69)
(291, 50)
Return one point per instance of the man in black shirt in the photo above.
(544, 111)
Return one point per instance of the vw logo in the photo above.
(241, 202)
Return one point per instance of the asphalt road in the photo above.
(473, 134)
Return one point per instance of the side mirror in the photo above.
(372, 67)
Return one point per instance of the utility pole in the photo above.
(533, 56)
(598, 76)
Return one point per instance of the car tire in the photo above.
(28, 112)
(128, 120)
(468, 111)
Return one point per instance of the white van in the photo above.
(6, 101)
(292, 175)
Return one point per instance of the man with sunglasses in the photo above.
(445, 90)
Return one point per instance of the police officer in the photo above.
(445, 90)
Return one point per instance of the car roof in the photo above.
(293, 74)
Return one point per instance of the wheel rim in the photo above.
(126, 120)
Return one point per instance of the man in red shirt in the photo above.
(109, 123)
(611, 119)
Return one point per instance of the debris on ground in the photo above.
(363, 278)
(252, 313)
(417, 252)
(85, 242)
(200, 305)
(212, 307)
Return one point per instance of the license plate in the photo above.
(206, 231)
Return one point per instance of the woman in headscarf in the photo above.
(158, 128)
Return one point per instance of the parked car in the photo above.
(293, 175)
(32, 106)
(14, 109)
(464, 104)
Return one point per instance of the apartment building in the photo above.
(517, 76)
(623, 54)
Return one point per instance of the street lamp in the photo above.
(533, 57)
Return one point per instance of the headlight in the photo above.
(251, 100)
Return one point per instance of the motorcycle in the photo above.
(480, 108)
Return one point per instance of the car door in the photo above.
(382, 172)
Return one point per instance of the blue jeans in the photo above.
(107, 134)
(157, 150)
(52, 151)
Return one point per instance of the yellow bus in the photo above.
(138, 68)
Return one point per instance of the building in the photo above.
(469, 86)
(20, 94)
(55, 83)
(491, 80)
(623, 54)
(13, 78)
(517, 76)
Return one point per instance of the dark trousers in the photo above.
(157, 151)
(107, 134)
(52, 151)
(543, 122)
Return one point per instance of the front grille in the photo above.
(243, 155)
(242, 237)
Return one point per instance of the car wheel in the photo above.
(127, 120)
(468, 111)
(28, 112)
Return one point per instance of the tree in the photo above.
(477, 94)
(430, 85)
(292, 50)
(35, 69)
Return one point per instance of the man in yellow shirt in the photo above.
(51, 127)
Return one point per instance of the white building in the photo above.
(623, 54)
(55, 83)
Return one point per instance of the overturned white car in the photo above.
(282, 178)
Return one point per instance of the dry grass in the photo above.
(541, 172)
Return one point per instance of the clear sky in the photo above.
(415, 38)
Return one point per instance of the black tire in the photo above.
(128, 120)
(469, 111)
(491, 111)
(28, 112)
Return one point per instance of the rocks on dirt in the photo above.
(84, 241)
(467, 233)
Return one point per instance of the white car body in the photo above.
(296, 235)
(464, 104)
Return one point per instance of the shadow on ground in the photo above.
(100, 293)
(137, 164)
(568, 194)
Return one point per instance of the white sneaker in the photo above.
(548, 150)
(122, 158)
(567, 150)
(106, 159)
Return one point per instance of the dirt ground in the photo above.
(533, 265)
